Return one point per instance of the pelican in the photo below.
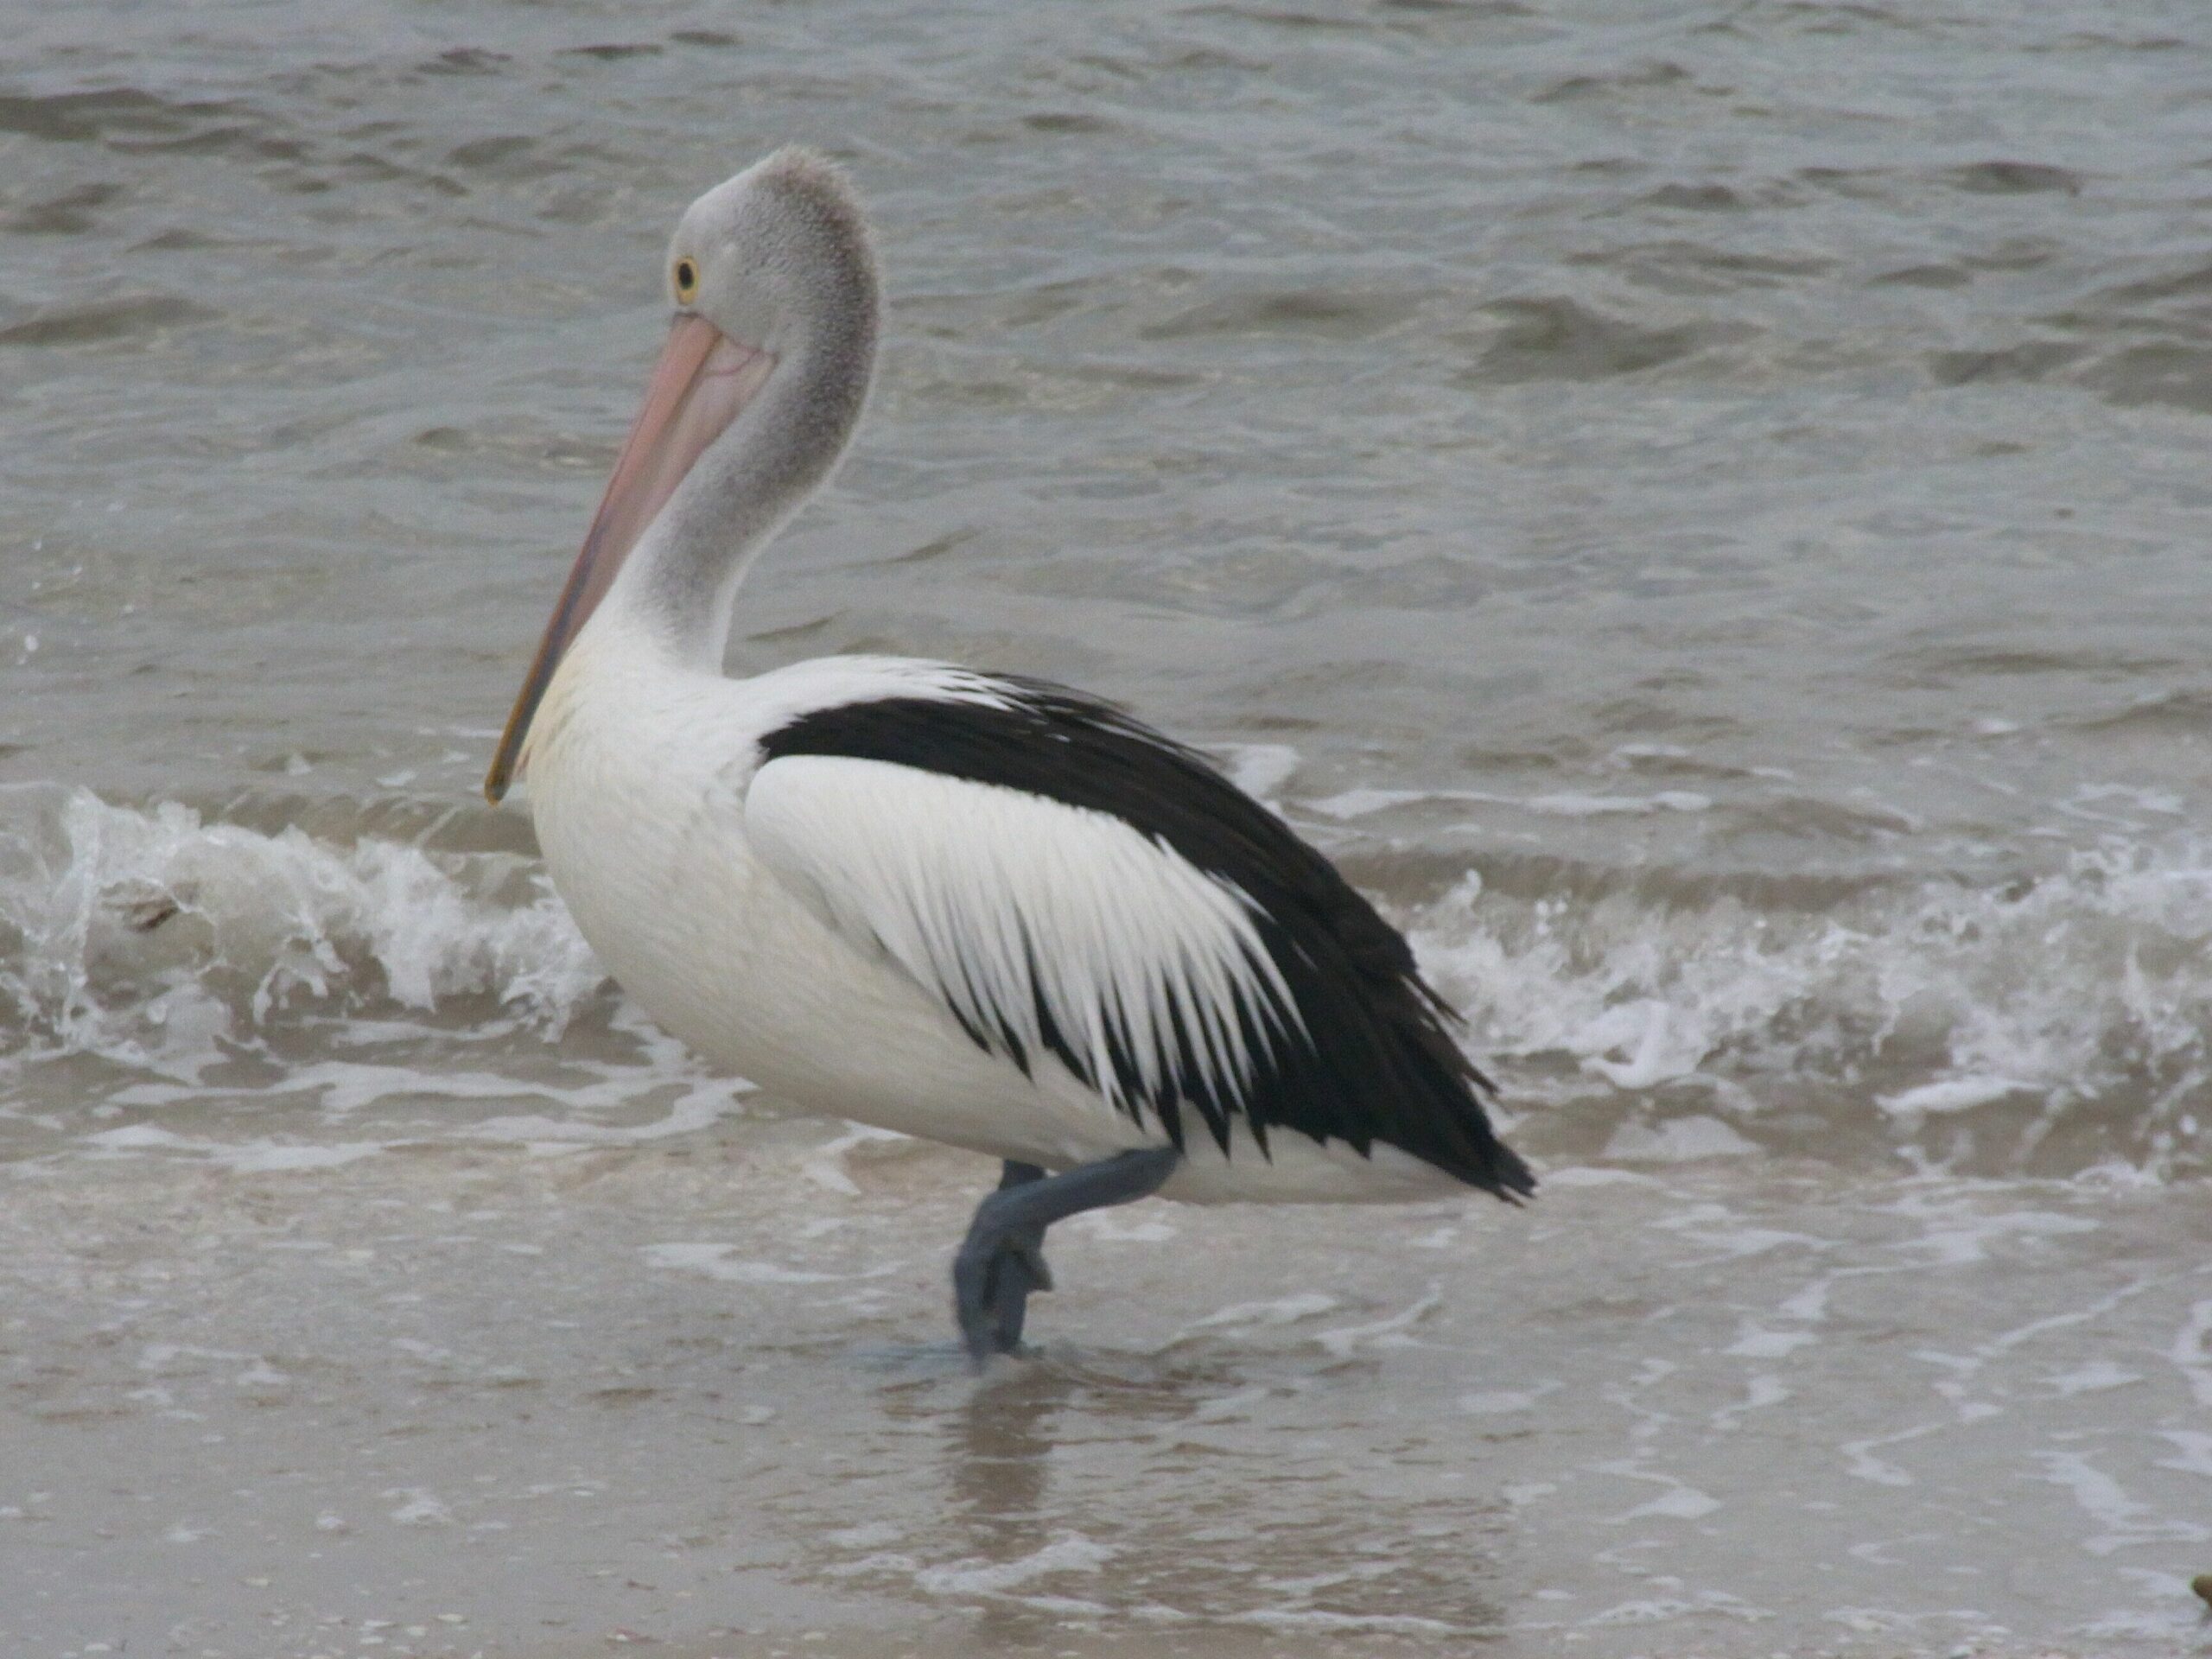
(979, 908)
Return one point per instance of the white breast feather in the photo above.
(995, 899)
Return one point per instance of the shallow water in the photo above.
(1699, 509)
(702, 1393)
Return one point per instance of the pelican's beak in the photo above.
(703, 382)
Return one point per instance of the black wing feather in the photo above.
(1375, 1061)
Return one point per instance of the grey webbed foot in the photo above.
(1001, 1262)
(1015, 1270)
(1012, 1275)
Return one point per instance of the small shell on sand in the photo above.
(2202, 1584)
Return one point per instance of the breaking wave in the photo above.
(117, 926)
(2049, 1024)
(158, 967)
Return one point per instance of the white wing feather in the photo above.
(998, 901)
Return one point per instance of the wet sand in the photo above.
(701, 1394)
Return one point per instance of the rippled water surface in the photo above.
(1701, 508)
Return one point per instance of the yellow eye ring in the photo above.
(687, 281)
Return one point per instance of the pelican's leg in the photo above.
(1002, 1259)
(1017, 1268)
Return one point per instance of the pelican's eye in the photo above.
(687, 281)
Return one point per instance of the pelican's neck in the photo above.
(680, 582)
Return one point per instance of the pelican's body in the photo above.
(978, 909)
(639, 788)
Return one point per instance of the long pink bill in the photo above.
(703, 383)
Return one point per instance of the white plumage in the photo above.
(1015, 910)
(755, 939)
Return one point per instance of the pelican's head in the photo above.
(770, 268)
(774, 255)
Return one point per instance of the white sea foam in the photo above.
(1365, 802)
(173, 987)
(152, 935)
(1260, 769)
(1994, 1022)
(1072, 1553)
(721, 1262)
(2060, 1016)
